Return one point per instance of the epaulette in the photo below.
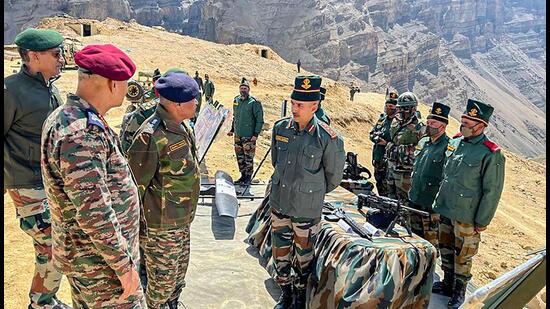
(457, 135)
(93, 119)
(285, 118)
(329, 130)
(492, 146)
(421, 143)
(151, 126)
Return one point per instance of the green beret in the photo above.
(174, 70)
(477, 110)
(307, 88)
(38, 39)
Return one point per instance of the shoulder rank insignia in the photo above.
(95, 120)
(492, 146)
(281, 138)
(329, 130)
(457, 135)
(450, 147)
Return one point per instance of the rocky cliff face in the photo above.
(443, 50)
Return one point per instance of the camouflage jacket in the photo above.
(404, 135)
(308, 164)
(473, 179)
(381, 129)
(164, 160)
(132, 121)
(248, 117)
(427, 171)
(28, 100)
(93, 198)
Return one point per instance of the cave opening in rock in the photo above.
(263, 53)
(86, 30)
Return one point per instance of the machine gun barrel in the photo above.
(385, 204)
(355, 227)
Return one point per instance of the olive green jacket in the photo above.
(164, 161)
(321, 115)
(28, 100)
(473, 178)
(209, 88)
(308, 164)
(382, 129)
(248, 117)
(427, 171)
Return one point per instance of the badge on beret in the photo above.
(306, 84)
(473, 112)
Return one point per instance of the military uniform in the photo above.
(320, 112)
(94, 205)
(473, 179)
(198, 79)
(248, 120)
(308, 164)
(209, 90)
(28, 100)
(164, 160)
(132, 121)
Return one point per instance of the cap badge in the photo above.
(306, 84)
(473, 112)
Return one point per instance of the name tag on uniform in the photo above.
(177, 145)
(281, 138)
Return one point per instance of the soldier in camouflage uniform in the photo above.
(405, 134)
(131, 121)
(29, 96)
(93, 199)
(164, 161)
(248, 120)
(308, 157)
(473, 178)
(380, 135)
(428, 173)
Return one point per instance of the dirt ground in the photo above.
(518, 226)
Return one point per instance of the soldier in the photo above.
(29, 97)
(298, 65)
(320, 112)
(308, 157)
(404, 136)
(164, 160)
(248, 120)
(428, 173)
(132, 121)
(198, 79)
(209, 89)
(380, 135)
(94, 201)
(473, 178)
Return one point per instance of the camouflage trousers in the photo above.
(427, 228)
(166, 254)
(399, 184)
(245, 150)
(458, 244)
(32, 210)
(292, 241)
(102, 293)
(380, 172)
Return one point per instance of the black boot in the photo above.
(285, 300)
(60, 305)
(300, 302)
(246, 180)
(459, 292)
(239, 181)
(444, 287)
(172, 304)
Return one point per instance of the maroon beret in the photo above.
(106, 60)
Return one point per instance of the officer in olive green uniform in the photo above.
(209, 89)
(473, 178)
(428, 173)
(380, 135)
(248, 120)
(29, 97)
(164, 161)
(405, 133)
(308, 157)
(131, 121)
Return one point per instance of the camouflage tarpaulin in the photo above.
(352, 272)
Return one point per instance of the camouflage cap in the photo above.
(38, 39)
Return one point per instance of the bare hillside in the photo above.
(517, 228)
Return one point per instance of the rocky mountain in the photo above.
(445, 50)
